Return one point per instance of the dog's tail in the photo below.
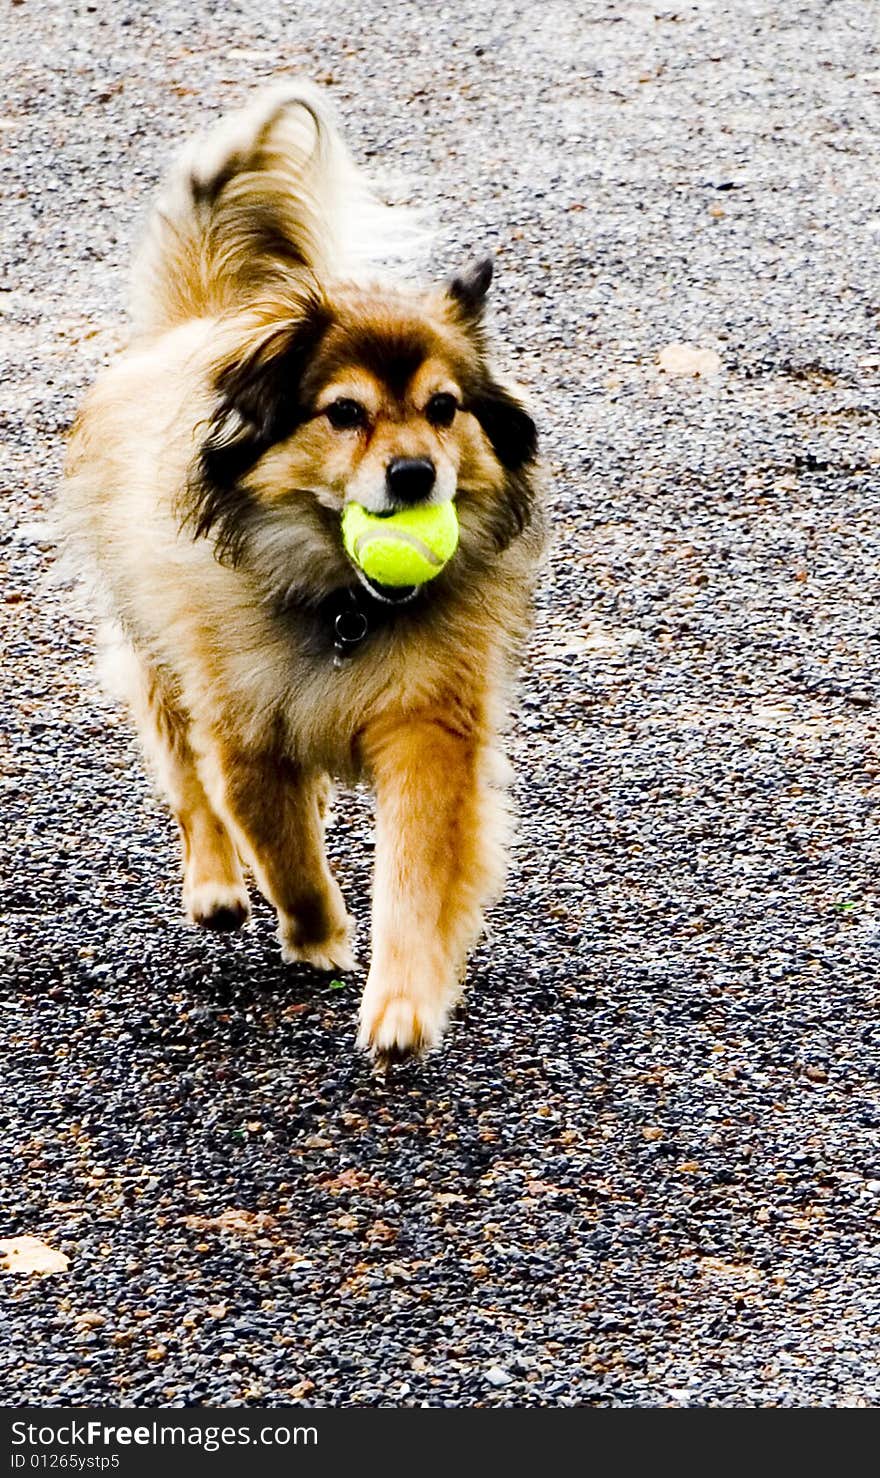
(270, 196)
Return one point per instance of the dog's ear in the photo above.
(468, 290)
(511, 431)
(258, 404)
(513, 436)
(258, 396)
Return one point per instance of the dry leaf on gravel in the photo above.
(30, 1255)
(729, 1272)
(603, 641)
(689, 359)
(240, 1223)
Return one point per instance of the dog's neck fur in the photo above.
(342, 622)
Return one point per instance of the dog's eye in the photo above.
(441, 409)
(346, 415)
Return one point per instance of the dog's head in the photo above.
(375, 397)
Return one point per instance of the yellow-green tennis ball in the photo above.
(405, 548)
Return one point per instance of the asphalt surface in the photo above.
(645, 1169)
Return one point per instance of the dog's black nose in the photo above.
(410, 479)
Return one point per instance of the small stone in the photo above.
(30, 1255)
(689, 360)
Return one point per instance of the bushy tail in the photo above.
(270, 194)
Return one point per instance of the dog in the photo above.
(276, 372)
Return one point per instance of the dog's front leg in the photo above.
(439, 859)
(277, 810)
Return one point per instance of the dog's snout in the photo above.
(410, 479)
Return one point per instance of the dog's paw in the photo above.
(220, 906)
(395, 1024)
(330, 954)
(318, 933)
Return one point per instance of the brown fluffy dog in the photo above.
(267, 385)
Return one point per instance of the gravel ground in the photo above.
(645, 1169)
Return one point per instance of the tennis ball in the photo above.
(405, 548)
